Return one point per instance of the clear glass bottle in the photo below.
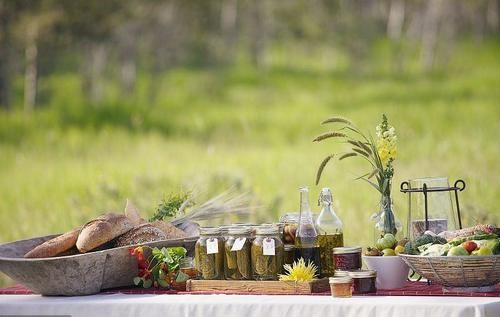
(209, 254)
(237, 245)
(330, 234)
(267, 254)
(306, 239)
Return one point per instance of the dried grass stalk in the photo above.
(350, 154)
(322, 167)
(337, 120)
(328, 135)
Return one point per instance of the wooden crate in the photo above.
(258, 287)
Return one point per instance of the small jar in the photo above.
(237, 248)
(186, 266)
(347, 258)
(363, 281)
(289, 254)
(290, 223)
(341, 286)
(209, 254)
(267, 254)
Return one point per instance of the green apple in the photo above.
(484, 250)
(388, 252)
(458, 251)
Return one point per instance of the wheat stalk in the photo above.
(360, 152)
(329, 135)
(322, 167)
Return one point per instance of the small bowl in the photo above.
(392, 271)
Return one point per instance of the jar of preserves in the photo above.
(363, 281)
(347, 258)
(237, 248)
(341, 286)
(267, 253)
(209, 254)
(290, 223)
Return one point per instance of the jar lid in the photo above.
(341, 250)
(238, 230)
(289, 247)
(340, 280)
(209, 231)
(340, 273)
(267, 229)
(362, 274)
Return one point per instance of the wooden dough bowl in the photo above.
(80, 274)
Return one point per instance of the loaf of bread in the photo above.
(171, 231)
(101, 230)
(56, 246)
(140, 234)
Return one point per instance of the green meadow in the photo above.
(212, 128)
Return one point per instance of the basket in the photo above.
(471, 273)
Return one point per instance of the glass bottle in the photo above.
(306, 239)
(330, 233)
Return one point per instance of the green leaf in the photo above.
(177, 251)
(372, 183)
(181, 277)
(156, 251)
(167, 257)
(137, 280)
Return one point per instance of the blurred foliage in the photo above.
(168, 96)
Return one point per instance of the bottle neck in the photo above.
(304, 201)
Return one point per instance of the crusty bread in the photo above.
(132, 212)
(171, 231)
(55, 246)
(141, 234)
(101, 230)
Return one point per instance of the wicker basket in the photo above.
(458, 271)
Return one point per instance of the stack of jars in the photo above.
(239, 252)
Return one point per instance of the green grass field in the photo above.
(212, 128)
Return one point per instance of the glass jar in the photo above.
(341, 286)
(209, 254)
(290, 223)
(267, 253)
(347, 258)
(237, 248)
(289, 254)
(363, 281)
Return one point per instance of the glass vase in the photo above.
(385, 220)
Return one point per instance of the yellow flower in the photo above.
(299, 271)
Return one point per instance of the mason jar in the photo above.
(237, 248)
(267, 253)
(209, 254)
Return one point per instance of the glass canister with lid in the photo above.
(267, 253)
(347, 258)
(209, 254)
(237, 248)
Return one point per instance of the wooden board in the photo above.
(258, 287)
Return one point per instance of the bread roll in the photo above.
(171, 231)
(101, 230)
(55, 246)
(141, 234)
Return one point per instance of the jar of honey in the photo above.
(341, 286)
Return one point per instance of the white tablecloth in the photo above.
(248, 305)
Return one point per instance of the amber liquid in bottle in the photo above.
(330, 233)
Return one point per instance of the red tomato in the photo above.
(469, 246)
